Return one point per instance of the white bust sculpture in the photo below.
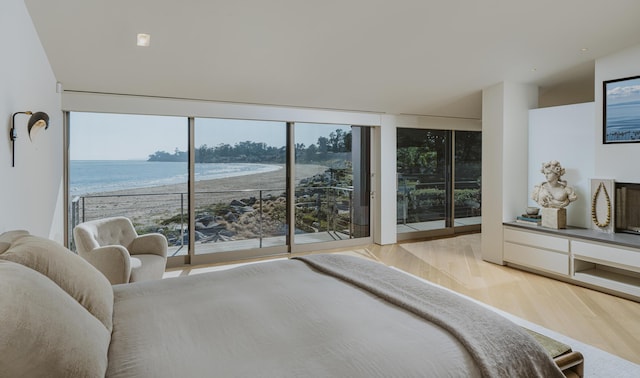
(554, 193)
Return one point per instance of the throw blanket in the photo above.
(499, 347)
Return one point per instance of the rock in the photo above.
(226, 233)
(246, 209)
(205, 220)
(230, 217)
(206, 226)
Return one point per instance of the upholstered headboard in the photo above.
(56, 310)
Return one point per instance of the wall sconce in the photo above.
(37, 121)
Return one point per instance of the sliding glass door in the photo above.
(467, 178)
(438, 178)
(332, 182)
(240, 185)
(423, 168)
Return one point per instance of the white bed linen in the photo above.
(278, 319)
(287, 319)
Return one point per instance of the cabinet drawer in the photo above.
(605, 254)
(556, 262)
(537, 240)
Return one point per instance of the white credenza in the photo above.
(608, 262)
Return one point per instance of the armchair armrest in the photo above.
(112, 260)
(153, 243)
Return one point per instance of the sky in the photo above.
(102, 136)
(623, 91)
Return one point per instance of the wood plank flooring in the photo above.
(602, 320)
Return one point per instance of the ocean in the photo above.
(623, 121)
(95, 176)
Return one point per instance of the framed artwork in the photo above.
(621, 110)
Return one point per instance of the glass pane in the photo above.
(422, 179)
(240, 187)
(332, 182)
(133, 166)
(468, 165)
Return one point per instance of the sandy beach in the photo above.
(147, 206)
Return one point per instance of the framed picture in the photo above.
(621, 110)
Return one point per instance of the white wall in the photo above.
(564, 133)
(438, 123)
(567, 93)
(505, 118)
(617, 161)
(492, 157)
(31, 194)
(385, 192)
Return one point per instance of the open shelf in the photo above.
(609, 277)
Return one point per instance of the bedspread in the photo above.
(326, 316)
(501, 348)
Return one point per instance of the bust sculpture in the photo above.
(553, 193)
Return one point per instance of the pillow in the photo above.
(6, 238)
(44, 332)
(71, 272)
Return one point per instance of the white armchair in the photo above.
(114, 247)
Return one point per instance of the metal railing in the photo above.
(431, 206)
(168, 212)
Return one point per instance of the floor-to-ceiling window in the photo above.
(332, 182)
(228, 188)
(133, 166)
(438, 180)
(240, 185)
(467, 177)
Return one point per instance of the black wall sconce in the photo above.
(37, 121)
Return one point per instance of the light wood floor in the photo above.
(604, 321)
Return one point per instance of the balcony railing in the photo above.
(424, 201)
(218, 214)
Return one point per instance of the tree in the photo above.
(339, 141)
(323, 147)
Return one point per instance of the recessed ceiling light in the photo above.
(144, 40)
(584, 49)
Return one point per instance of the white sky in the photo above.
(100, 136)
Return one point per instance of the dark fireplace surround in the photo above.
(627, 203)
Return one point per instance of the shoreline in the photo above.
(146, 206)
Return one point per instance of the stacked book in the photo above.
(533, 220)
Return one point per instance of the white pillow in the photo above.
(44, 332)
(71, 272)
(6, 238)
(11, 236)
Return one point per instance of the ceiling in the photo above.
(425, 57)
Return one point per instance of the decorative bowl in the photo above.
(532, 210)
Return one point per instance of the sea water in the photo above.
(623, 121)
(96, 176)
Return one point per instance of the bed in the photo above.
(322, 315)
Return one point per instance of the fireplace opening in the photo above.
(627, 202)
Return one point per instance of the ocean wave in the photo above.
(104, 176)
